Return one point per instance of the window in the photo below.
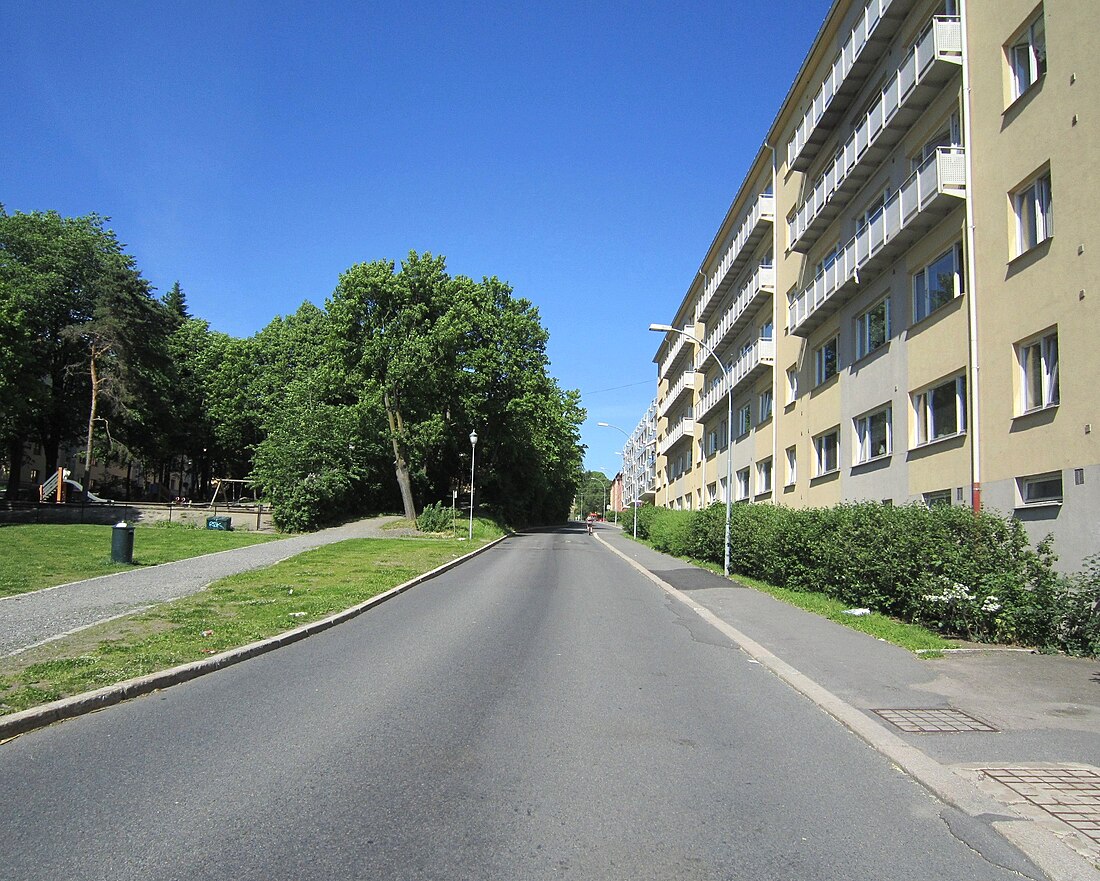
(764, 476)
(792, 466)
(826, 453)
(765, 406)
(873, 328)
(712, 442)
(825, 362)
(792, 384)
(1027, 57)
(940, 412)
(1040, 489)
(1039, 373)
(937, 498)
(742, 478)
(744, 420)
(874, 435)
(938, 283)
(1034, 214)
(767, 330)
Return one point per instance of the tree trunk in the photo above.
(91, 424)
(404, 482)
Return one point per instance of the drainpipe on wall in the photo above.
(972, 305)
(775, 337)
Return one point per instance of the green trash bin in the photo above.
(122, 543)
(219, 521)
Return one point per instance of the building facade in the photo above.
(887, 297)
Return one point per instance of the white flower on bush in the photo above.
(951, 594)
(991, 604)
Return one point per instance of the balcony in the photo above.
(676, 350)
(677, 432)
(740, 311)
(866, 43)
(925, 198)
(931, 63)
(685, 385)
(755, 360)
(753, 227)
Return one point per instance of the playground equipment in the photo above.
(228, 483)
(54, 489)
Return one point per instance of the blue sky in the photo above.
(584, 152)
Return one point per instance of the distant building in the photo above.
(903, 289)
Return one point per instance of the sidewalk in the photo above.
(30, 619)
(1022, 727)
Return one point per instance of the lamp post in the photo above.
(668, 328)
(633, 475)
(473, 459)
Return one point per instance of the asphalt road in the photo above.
(540, 712)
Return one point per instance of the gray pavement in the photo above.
(1044, 710)
(30, 619)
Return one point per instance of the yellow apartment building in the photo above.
(906, 267)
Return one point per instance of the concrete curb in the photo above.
(90, 701)
(1048, 853)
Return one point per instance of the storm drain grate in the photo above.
(1070, 794)
(931, 721)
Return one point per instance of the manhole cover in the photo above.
(1072, 795)
(931, 721)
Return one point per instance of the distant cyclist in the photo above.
(589, 521)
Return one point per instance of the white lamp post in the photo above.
(473, 455)
(668, 328)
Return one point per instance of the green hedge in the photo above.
(969, 575)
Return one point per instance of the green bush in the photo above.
(964, 574)
(435, 518)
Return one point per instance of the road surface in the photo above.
(540, 712)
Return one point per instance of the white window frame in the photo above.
(765, 412)
(741, 478)
(792, 465)
(937, 497)
(1039, 385)
(923, 304)
(1031, 491)
(744, 420)
(1033, 207)
(821, 453)
(865, 345)
(925, 430)
(1027, 57)
(864, 437)
(821, 363)
(764, 476)
(792, 384)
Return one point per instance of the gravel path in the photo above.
(30, 619)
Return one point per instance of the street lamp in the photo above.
(473, 455)
(633, 475)
(668, 328)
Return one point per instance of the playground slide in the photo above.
(92, 497)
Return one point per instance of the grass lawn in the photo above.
(36, 556)
(919, 640)
(232, 612)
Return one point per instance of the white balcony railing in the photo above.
(862, 33)
(937, 49)
(750, 363)
(737, 253)
(676, 432)
(676, 349)
(685, 383)
(739, 312)
(942, 174)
